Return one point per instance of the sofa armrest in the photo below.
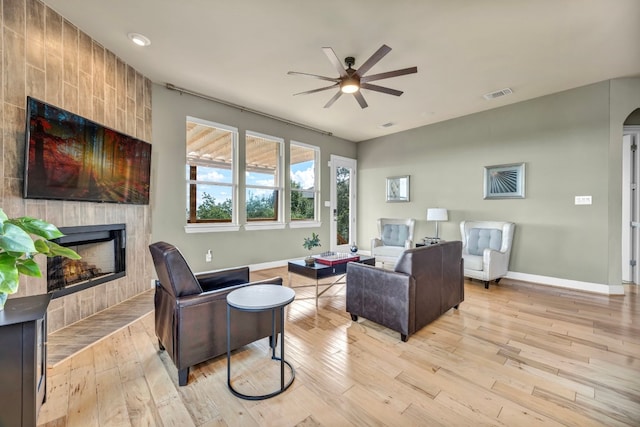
(382, 296)
(223, 278)
(495, 263)
(221, 292)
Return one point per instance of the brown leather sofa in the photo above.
(426, 282)
(190, 311)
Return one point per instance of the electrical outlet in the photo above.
(208, 256)
(583, 200)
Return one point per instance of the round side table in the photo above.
(258, 298)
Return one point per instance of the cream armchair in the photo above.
(395, 235)
(486, 248)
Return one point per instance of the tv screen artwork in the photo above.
(69, 157)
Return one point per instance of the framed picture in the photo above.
(398, 189)
(504, 181)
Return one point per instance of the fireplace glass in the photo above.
(102, 250)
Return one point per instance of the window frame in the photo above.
(278, 187)
(206, 226)
(316, 221)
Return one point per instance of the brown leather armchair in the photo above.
(427, 281)
(190, 311)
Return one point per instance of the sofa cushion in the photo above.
(481, 238)
(472, 262)
(394, 234)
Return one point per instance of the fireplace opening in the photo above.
(102, 250)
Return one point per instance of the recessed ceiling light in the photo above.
(139, 39)
(387, 125)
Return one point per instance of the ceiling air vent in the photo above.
(497, 93)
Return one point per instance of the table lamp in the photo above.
(437, 214)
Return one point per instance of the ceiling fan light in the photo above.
(350, 85)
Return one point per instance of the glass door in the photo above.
(343, 203)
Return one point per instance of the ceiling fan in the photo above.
(352, 80)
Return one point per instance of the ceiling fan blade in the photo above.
(360, 99)
(334, 99)
(316, 90)
(315, 76)
(333, 58)
(382, 89)
(373, 60)
(389, 74)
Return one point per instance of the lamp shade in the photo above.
(437, 214)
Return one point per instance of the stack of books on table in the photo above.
(333, 258)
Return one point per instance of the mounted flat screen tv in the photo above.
(68, 157)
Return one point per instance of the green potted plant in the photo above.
(310, 243)
(18, 247)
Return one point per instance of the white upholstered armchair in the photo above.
(395, 235)
(486, 248)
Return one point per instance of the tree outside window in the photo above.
(263, 168)
(210, 173)
(303, 175)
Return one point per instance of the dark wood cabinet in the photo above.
(23, 359)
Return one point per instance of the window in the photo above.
(305, 179)
(211, 173)
(263, 177)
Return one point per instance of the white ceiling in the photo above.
(240, 51)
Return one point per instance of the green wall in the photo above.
(566, 141)
(170, 110)
(569, 141)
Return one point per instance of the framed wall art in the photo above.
(398, 189)
(504, 181)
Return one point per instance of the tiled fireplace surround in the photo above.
(48, 58)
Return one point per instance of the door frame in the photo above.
(334, 163)
(630, 205)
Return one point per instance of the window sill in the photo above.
(305, 224)
(210, 228)
(252, 226)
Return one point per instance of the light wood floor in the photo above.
(513, 355)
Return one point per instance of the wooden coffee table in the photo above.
(319, 271)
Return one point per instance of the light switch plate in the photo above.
(583, 200)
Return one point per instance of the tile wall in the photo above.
(47, 57)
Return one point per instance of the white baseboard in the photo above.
(567, 283)
(270, 264)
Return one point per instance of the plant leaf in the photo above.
(3, 216)
(8, 274)
(57, 250)
(28, 267)
(15, 239)
(41, 246)
(38, 227)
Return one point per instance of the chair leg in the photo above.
(456, 306)
(160, 346)
(183, 376)
(498, 279)
(486, 284)
(404, 337)
(354, 317)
